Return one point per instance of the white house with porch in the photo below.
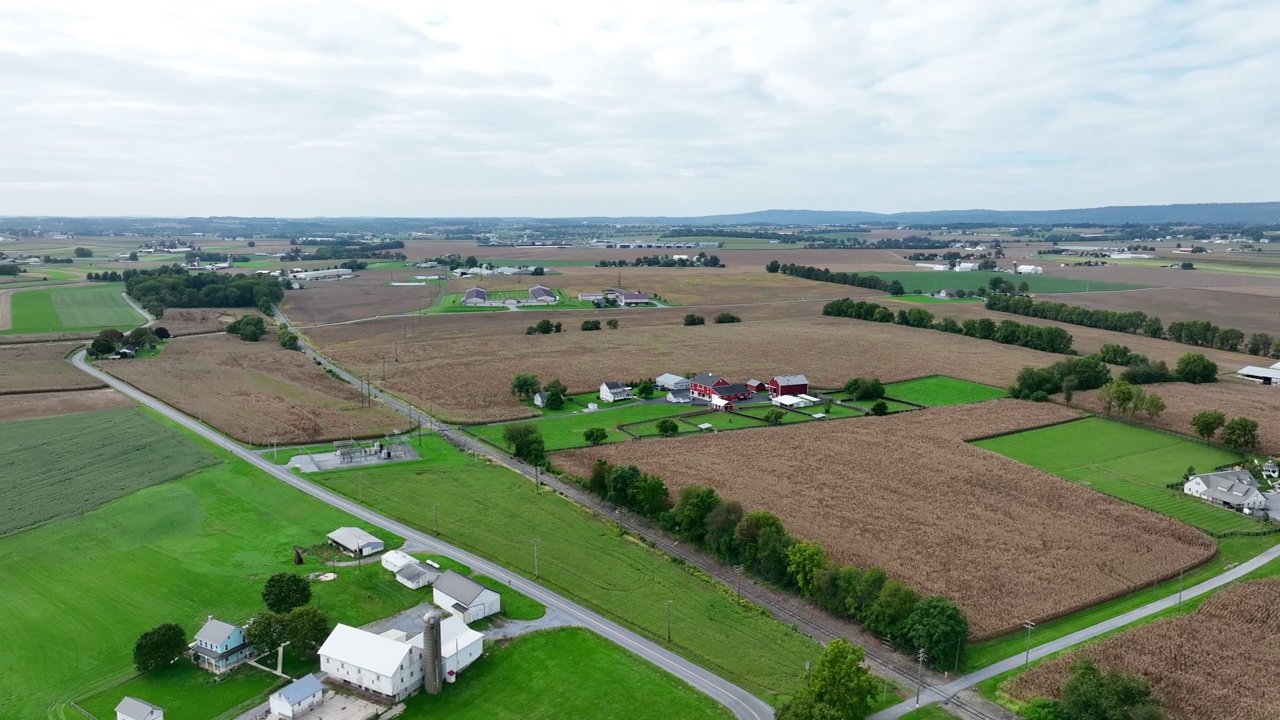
(614, 391)
(1234, 489)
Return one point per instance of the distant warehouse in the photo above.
(334, 274)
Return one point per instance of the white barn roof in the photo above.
(353, 538)
(1254, 371)
(364, 650)
(455, 635)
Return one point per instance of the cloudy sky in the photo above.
(555, 108)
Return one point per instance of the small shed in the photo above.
(131, 708)
(756, 385)
(396, 559)
(127, 351)
(417, 575)
(466, 597)
(540, 399)
(297, 697)
(356, 542)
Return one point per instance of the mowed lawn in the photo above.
(60, 467)
(79, 309)
(941, 390)
(1127, 462)
(175, 552)
(498, 514)
(565, 431)
(565, 674)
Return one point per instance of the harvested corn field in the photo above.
(255, 391)
(40, 368)
(1201, 665)
(29, 406)
(909, 494)
(468, 379)
(1182, 400)
(194, 321)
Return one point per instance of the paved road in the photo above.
(742, 703)
(941, 693)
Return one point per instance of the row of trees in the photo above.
(1239, 433)
(1129, 399)
(808, 272)
(700, 260)
(1141, 370)
(1046, 338)
(1201, 333)
(760, 543)
(172, 286)
(590, 325)
(1064, 376)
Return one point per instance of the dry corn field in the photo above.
(467, 377)
(194, 321)
(40, 368)
(907, 493)
(1209, 665)
(38, 405)
(255, 391)
(1233, 397)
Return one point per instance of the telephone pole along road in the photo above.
(743, 704)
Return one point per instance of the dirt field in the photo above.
(255, 391)
(1233, 397)
(365, 295)
(40, 368)
(1199, 665)
(1224, 308)
(6, 314)
(907, 493)
(465, 374)
(195, 321)
(38, 405)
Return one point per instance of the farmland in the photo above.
(61, 467)
(27, 406)
(1003, 540)
(1232, 397)
(256, 391)
(175, 552)
(1129, 463)
(1198, 664)
(930, 281)
(565, 431)
(553, 664)
(1221, 306)
(195, 321)
(496, 513)
(442, 371)
(40, 368)
(80, 309)
(365, 295)
(939, 390)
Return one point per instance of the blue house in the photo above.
(220, 646)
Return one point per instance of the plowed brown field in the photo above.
(38, 405)
(365, 295)
(465, 375)
(40, 368)
(1201, 666)
(255, 392)
(194, 321)
(1233, 397)
(907, 493)
(1224, 307)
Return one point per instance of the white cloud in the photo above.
(665, 107)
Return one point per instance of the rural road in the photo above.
(942, 693)
(743, 704)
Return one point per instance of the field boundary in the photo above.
(1056, 423)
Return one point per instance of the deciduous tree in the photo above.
(525, 441)
(1196, 368)
(525, 386)
(1240, 433)
(595, 435)
(267, 630)
(667, 427)
(159, 646)
(939, 627)
(308, 627)
(286, 591)
(1208, 422)
(691, 510)
(804, 561)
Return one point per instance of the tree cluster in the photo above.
(861, 388)
(808, 272)
(525, 441)
(1009, 332)
(1091, 694)
(1064, 376)
(1129, 399)
(1139, 369)
(288, 617)
(250, 328)
(171, 286)
(725, 317)
(544, 327)
(1239, 433)
(110, 340)
(692, 319)
(840, 686)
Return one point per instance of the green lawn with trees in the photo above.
(176, 552)
(1131, 463)
(498, 514)
(78, 309)
(565, 431)
(940, 390)
(554, 664)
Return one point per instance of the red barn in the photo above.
(788, 385)
(702, 384)
(756, 386)
(732, 392)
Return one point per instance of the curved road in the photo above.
(742, 703)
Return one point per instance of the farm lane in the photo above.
(743, 704)
(151, 319)
(941, 693)
(785, 607)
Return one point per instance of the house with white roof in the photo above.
(131, 708)
(671, 381)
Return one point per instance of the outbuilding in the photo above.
(671, 381)
(356, 542)
(131, 708)
(297, 697)
(393, 560)
(788, 385)
(543, 294)
(1270, 469)
(756, 385)
(730, 392)
(1267, 376)
(461, 595)
(792, 402)
(416, 576)
(475, 296)
(1029, 270)
(540, 399)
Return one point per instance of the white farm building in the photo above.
(356, 542)
(131, 708)
(461, 595)
(393, 666)
(1029, 270)
(297, 697)
(334, 274)
(1234, 489)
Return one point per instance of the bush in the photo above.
(723, 318)
(589, 325)
(1196, 368)
(288, 340)
(249, 328)
(692, 319)
(159, 646)
(862, 388)
(879, 408)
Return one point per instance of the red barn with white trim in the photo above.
(702, 385)
(788, 385)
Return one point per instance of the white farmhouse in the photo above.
(614, 391)
(1234, 489)
(463, 596)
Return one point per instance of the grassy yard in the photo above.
(930, 281)
(1131, 463)
(185, 691)
(788, 416)
(587, 677)
(650, 429)
(729, 421)
(496, 513)
(578, 403)
(941, 390)
(60, 467)
(928, 712)
(175, 552)
(836, 412)
(565, 431)
(80, 309)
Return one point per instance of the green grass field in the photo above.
(175, 552)
(496, 513)
(184, 690)
(893, 405)
(565, 431)
(452, 303)
(928, 712)
(61, 467)
(1127, 462)
(587, 676)
(930, 281)
(649, 429)
(940, 390)
(578, 403)
(80, 309)
(1202, 265)
(837, 411)
(788, 417)
(729, 421)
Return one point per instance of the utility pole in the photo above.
(920, 657)
(669, 620)
(437, 508)
(1029, 626)
(808, 672)
(535, 558)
